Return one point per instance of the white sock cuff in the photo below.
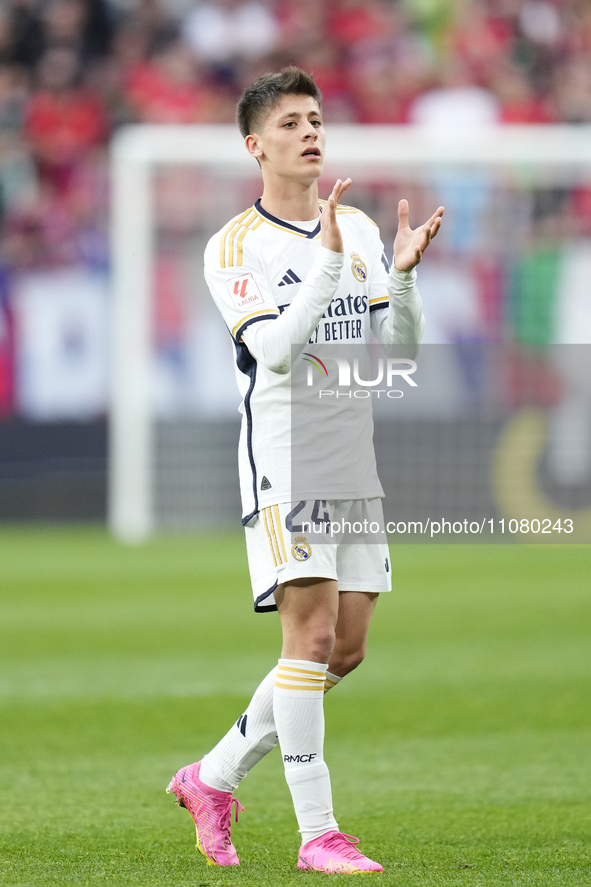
(305, 664)
(301, 676)
(331, 680)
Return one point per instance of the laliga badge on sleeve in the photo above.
(245, 292)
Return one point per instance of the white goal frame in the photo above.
(136, 152)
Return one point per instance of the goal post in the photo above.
(136, 151)
(557, 154)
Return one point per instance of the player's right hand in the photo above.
(330, 233)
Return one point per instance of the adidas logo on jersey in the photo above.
(265, 483)
(290, 277)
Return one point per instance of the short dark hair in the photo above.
(262, 95)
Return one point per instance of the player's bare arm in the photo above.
(410, 244)
(330, 233)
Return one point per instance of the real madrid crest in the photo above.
(300, 550)
(359, 268)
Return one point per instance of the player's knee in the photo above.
(321, 643)
(345, 661)
(356, 658)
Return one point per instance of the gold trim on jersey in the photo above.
(384, 299)
(283, 228)
(275, 534)
(232, 227)
(231, 248)
(243, 320)
(343, 209)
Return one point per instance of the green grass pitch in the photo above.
(460, 751)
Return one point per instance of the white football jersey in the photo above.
(254, 268)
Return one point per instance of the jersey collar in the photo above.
(310, 235)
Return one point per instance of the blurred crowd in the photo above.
(72, 71)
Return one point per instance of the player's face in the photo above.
(292, 142)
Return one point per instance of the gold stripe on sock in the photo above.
(321, 674)
(287, 687)
(287, 677)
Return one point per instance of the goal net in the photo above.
(502, 430)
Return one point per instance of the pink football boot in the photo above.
(335, 853)
(211, 811)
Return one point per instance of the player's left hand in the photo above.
(330, 233)
(410, 244)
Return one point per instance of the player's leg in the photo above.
(364, 573)
(212, 780)
(205, 788)
(271, 558)
(308, 609)
(254, 735)
(247, 741)
(309, 612)
(356, 610)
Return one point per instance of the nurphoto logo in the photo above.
(388, 370)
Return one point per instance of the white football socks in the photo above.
(330, 681)
(250, 739)
(299, 719)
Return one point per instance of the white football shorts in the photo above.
(317, 538)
